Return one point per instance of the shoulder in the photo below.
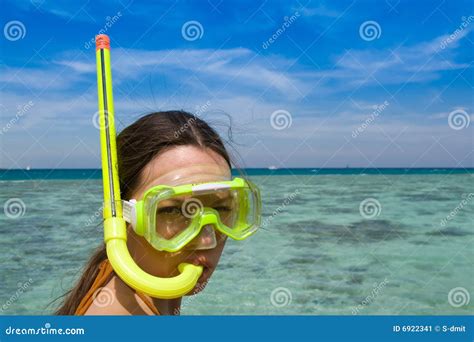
(116, 298)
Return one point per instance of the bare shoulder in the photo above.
(116, 298)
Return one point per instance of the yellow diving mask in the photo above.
(170, 217)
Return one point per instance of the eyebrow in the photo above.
(169, 202)
(209, 199)
(218, 200)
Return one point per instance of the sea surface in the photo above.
(333, 241)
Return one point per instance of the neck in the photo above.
(168, 306)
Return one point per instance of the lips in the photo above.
(198, 260)
(201, 260)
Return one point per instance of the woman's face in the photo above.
(176, 166)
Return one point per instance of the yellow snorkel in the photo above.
(115, 233)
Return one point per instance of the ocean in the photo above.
(333, 241)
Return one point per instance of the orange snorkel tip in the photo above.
(102, 41)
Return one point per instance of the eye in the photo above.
(170, 210)
(222, 208)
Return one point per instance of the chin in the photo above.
(201, 284)
(198, 288)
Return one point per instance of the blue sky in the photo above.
(303, 83)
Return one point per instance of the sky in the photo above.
(299, 83)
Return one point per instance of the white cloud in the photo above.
(238, 67)
(35, 79)
(243, 71)
(79, 67)
(417, 63)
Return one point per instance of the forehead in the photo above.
(182, 165)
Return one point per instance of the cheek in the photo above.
(221, 239)
(215, 253)
(155, 262)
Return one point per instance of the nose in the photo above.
(205, 240)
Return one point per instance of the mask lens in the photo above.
(247, 213)
(250, 214)
(174, 215)
(225, 203)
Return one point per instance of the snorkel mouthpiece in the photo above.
(115, 231)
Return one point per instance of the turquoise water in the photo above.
(42, 174)
(316, 254)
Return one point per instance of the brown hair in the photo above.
(137, 145)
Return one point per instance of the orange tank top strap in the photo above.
(148, 303)
(104, 275)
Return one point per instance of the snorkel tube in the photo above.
(115, 232)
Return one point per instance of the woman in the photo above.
(166, 148)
